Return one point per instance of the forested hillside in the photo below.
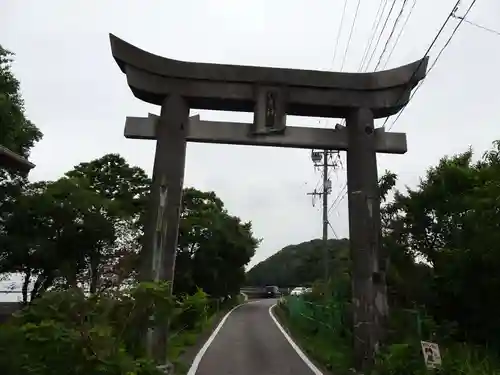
(300, 264)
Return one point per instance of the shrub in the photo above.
(458, 359)
(192, 311)
(66, 332)
(319, 321)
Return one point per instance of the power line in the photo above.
(450, 15)
(375, 25)
(339, 197)
(333, 231)
(400, 33)
(478, 25)
(350, 35)
(462, 19)
(339, 32)
(348, 42)
(343, 192)
(380, 34)
(396, 21)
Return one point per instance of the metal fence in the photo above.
(333, 316)
(324, 318)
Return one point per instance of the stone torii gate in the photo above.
(271, 94)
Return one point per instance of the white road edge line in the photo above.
(301, 354)
(196, 361)
(204, 348)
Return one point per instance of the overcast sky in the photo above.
(78, 97)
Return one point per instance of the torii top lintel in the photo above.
(232, 87)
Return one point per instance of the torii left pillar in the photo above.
(161, 231)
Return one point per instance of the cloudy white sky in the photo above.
(78, 97)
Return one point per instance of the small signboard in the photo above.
(431, 353)
(269, 112)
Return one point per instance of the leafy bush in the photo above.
(458, 359)
(52, 347)
(192, 311)
(321, 326)
(399, 359)
(66, 332)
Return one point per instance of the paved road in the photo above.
(250, 343)
(7, 309)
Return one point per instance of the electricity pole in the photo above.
(324, 160)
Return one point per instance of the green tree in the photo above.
(113, 178)
(16, 133)
(55, 228)
(86, 228)
(127, 188)
(443, 239)
(213, 246)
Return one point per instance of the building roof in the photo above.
(13, 161)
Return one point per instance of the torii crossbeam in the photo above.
(237, 133)
(271, 94)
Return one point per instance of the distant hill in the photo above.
(300, 264)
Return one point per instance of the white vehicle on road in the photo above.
(298, 291)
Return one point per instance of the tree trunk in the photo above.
(94, 273)
(42, 283)
(70, 274)
(26, 283)
(37, 287)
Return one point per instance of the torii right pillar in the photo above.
(369, 296)
(369, 261)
